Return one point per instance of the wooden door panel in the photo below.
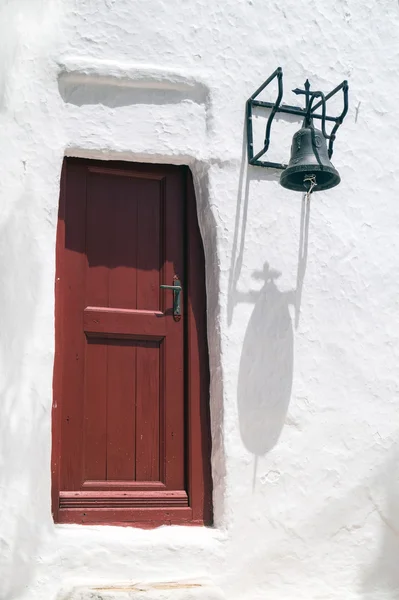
(122, 411)
(121, 371)
(124, 244)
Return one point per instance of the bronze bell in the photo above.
(309, 158)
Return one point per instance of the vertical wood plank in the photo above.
(121, 399)
(149, 244)
(73, 276)
(173, 368)
(123, 242)
(148, 412)
(95, 410)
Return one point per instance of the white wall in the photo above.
(303, 345)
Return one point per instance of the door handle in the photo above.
(176, 289)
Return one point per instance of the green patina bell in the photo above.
(309, 158)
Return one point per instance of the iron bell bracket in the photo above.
(308, 113)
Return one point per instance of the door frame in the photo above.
(197, 418)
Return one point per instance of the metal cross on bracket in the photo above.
(308, 113)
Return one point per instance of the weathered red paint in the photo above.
(130, 412)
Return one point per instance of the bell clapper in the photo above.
(309, 182)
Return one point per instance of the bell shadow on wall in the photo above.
(267, 361)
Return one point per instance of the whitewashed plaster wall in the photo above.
(304, 348)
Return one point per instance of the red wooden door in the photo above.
(121, 452)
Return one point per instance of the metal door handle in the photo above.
(176, 289)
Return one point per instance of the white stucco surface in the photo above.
(303, 343)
